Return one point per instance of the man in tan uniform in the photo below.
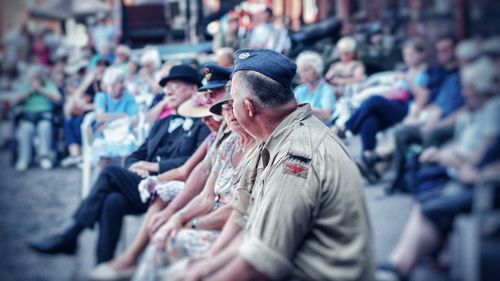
(307, 218)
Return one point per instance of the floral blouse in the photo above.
(227, 174)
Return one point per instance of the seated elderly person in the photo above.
(176, 187)
(37, 98)
(307, 219)
(314, 90)
(116, 112)
(170, 143)
(440, 201)
(192, 230)
(348, 70)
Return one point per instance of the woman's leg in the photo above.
(420, 238)
(368, 133)
(129, 257)
(363, 113)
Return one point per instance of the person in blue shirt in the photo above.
(441, 112)
(110, 106)
(380, 112)
(314, 89)
(116, 102)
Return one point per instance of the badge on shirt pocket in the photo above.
(297, 170)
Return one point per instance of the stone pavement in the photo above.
(37, 203)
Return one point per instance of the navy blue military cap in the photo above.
(267, 62)
(215, 76)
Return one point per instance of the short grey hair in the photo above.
(312, 60)
(111, 76)
(482, 75)
(467, 50)
(268, 92)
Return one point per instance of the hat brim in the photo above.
(188, 109)
(213, 85)
(184, 78)
(216, 108)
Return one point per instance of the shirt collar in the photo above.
(271, 146)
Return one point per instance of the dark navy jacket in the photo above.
(172, 149)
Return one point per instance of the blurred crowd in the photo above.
(429, 126)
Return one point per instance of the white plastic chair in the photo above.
(467, 240)
(141, 132)
(87, 138)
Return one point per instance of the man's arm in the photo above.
(237, 269)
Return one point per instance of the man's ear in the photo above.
(249, 106)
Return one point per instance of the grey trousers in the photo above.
(25, 134)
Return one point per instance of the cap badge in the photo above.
(243, 56)
(208, 76)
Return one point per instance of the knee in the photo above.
(110, 170)
(373, 101)
(114, 203)
(25, 128)
(44, 125)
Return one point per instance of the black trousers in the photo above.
(407, 135)
(113, 196)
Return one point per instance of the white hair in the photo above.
(346, 45)
(482, 75)
(151, 55)
(312, 60)
(112, 75)
(467, 50)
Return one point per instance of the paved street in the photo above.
(37, 203)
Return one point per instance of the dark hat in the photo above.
(216, 108)
(183, 73)
(216, 76)
(267, 62)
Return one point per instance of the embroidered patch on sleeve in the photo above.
(295, 170)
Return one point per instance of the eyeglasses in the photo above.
(172, 86)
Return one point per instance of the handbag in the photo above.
(117, 131)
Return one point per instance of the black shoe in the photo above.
(54, 245)
(387, 271)
(370, 174)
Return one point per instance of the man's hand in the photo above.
(157, 220)
(139, 171)
(429, 155)
(144, 168)
(450, 158)
(467, 174)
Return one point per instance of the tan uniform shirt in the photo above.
(307, 218)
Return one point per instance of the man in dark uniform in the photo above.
(170, 143)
